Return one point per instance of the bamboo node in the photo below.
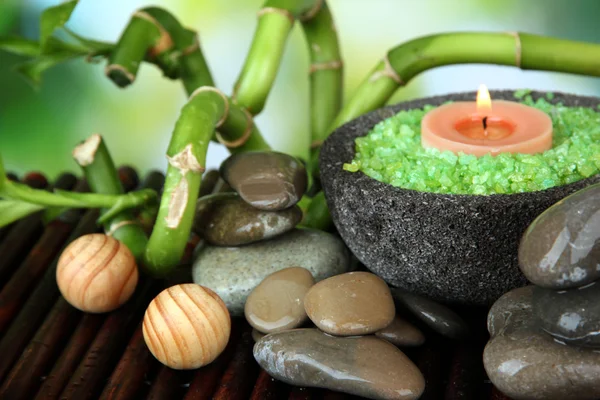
(310, 14)
(335, 64)
(85, 152)
(225, 101)
(517, 48)
(242, 139)
(186, 161)
(316, 144)
(120, 69)
(388, 71)
(280, 11)
(191, 48)
(115, 227)
(164, 42)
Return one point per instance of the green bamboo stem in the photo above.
(139, 36)
(197, 122)
(100, 172)
(522, 50)
(275, 21)
(326, 78)
(154, 35)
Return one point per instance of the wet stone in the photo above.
(402, 333)
(266, 180)
(525, 363)
(224, 219)
(561, 247)
(364, 366)
(356, 303)
(437, 316)
(233, 272)
(571, 316)
(277, 303)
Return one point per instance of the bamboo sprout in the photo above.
(275, 20)
(100, 172)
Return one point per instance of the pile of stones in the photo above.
(546, 338)
(316, 321)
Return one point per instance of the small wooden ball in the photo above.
(186, 326)
(96, 273)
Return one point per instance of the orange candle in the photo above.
(484, 127)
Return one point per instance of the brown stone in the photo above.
(355, 303)
(277, 303)
(256, 335)
(526, 363)
(224, 219)
(364, 366)
(267, 179)
(401, 333)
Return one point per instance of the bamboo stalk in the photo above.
(94, 159)
(522, 50)
(325, 74)
(275, 20)
(155, 181)
(203, 113)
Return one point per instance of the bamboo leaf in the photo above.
(20, 46)
(13, 210)
(32, 70)
(52, 19)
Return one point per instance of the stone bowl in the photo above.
(452, 248)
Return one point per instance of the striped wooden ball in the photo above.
(186, 326)
(96, 273)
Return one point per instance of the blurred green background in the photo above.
(38, 129)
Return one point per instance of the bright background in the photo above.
(38, 129)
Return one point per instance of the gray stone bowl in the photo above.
(453, 248)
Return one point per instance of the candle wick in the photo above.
(484, 123)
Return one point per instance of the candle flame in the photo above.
(484, 101)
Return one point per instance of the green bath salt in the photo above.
(392, 153)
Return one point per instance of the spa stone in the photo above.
(364, 366)
(224, 219)
(561, 248)
(233, 272)
(267, 180)
(571, 316)
(525, 363)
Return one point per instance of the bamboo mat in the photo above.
(49, 350)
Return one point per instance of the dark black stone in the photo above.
(571, 316)
(437, 316)
(454, 248)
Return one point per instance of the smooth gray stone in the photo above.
(437, 316)
(266, 179)
(225, 219)
(365, 366)
(449, 247)
(233, 272)
(561, 248)
(571, 316)
(526, 363)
